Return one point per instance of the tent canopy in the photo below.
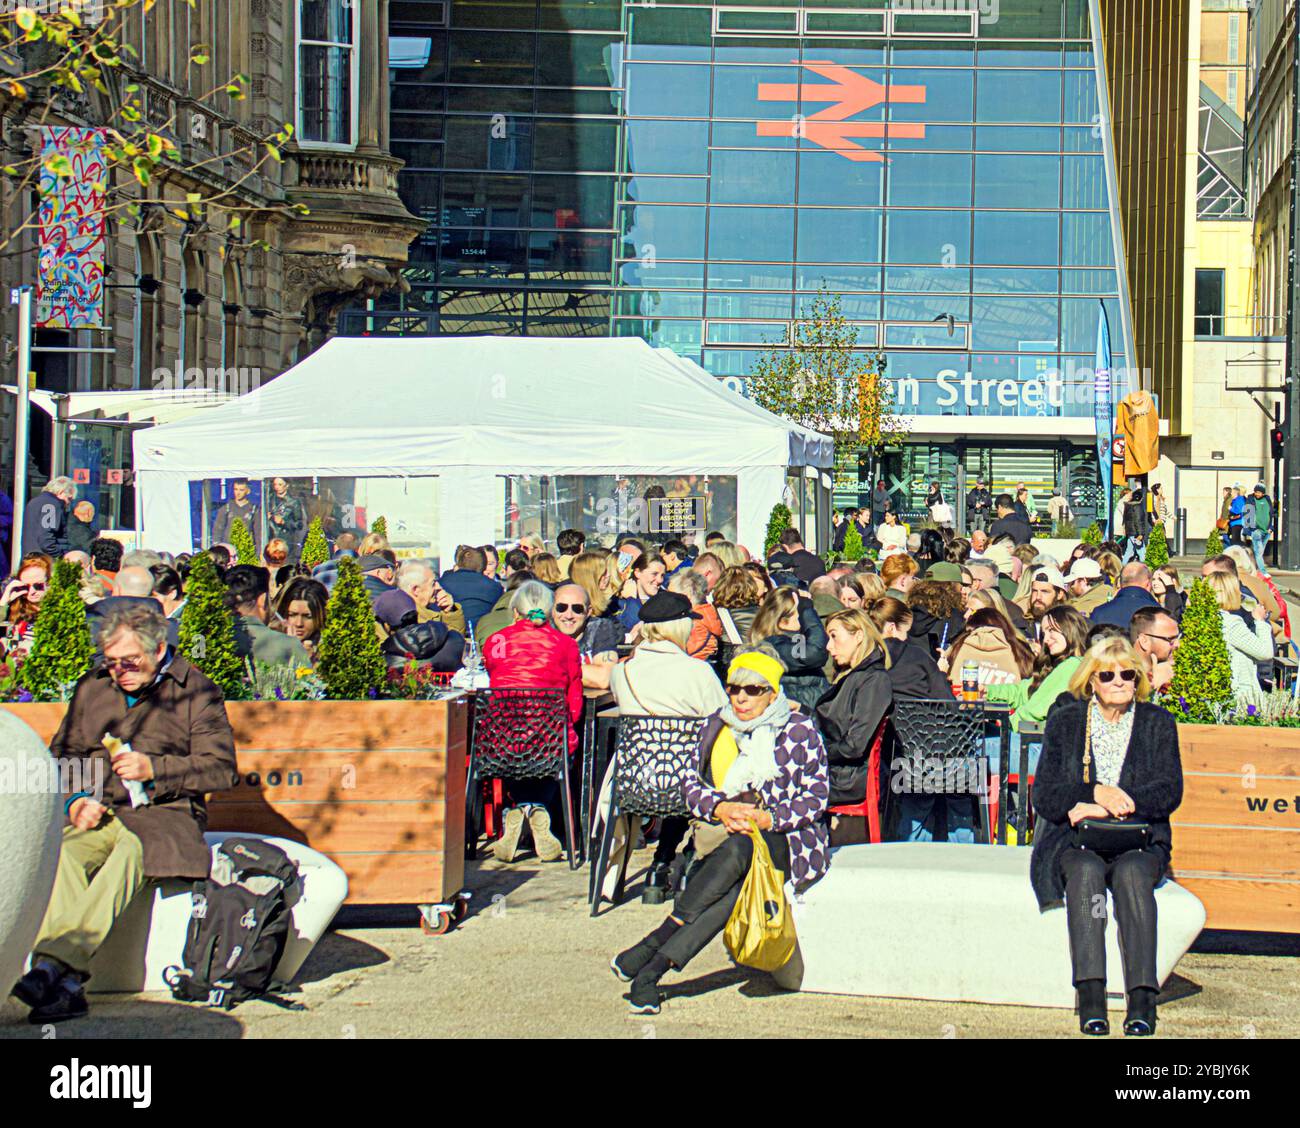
(413, 404)
(146, 406)
(468, 409)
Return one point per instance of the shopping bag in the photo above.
(760, 932)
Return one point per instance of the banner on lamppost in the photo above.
(70, 275)
(1102, 417)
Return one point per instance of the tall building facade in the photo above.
(695, 173)
(190, 303)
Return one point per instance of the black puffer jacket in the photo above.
(805, 656)
(429, 645)
(913, 672)
(1152, 776)
(847, 716)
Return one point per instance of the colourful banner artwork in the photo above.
(70, 278)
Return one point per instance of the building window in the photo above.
(1209, 303)
(327, 72)
(148, 321)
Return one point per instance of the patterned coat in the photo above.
(796, 799)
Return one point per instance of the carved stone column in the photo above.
(371, 39)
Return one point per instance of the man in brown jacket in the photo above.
(169, 742)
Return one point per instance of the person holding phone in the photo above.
(762, 764)
(22, 597)
(1107, 756)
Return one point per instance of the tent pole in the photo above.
(23, 298)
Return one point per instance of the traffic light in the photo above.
(1278, 438)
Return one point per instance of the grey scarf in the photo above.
(756, 742)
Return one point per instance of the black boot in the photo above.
(644, 996)
(1093, 1018)
(657, 885)
(1140, 1022)
(37, 987)
(629, 964)
(68, 1000)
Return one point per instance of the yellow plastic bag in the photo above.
(760, 932)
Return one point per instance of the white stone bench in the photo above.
(31, 828)
(955, 923)
(150, 935)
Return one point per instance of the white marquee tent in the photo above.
(469, 410)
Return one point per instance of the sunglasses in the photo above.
(747, 690)
(38, 586)
(126, 665)
(576, 608)
(1108, 676)
(1171, 639)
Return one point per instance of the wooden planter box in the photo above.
(378, 786)
(1237, 833)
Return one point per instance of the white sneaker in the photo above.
(548, 847)
(505, 847)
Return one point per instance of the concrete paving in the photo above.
(529, 962)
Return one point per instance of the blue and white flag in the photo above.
(1102, 415)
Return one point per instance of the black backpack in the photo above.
(238, 925)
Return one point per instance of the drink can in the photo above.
(970, 681)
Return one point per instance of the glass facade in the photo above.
(507, 117)
(693, 173)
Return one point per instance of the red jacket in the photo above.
(532, 656)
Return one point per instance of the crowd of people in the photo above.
(797, 667)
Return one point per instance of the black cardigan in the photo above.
(847, 716)
(1152, 775)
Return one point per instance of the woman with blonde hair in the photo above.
(990, 598)
(1111, 566)
(590, 571)
(1262, 588)
(1248, 636)
(850, 711)
(788, 622)
(373, 544)
(730, 554)
(1109, 759)
(547, 569)
(532, 544)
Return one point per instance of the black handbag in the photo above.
(1112, 836)
(1108, 837)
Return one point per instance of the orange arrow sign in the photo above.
(850, 93)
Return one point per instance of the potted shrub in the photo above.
(1092, 534)
(315, 549)
(1157, 547)
(777, 523)
(242, 539)
(380, 526)
(207, 634)
(1213, 543)
(853, 548)
(350, 662)
(1202, 685)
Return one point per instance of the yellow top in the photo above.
(725, 753)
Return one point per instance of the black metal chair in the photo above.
(652, 759)
(524, 734)
(940, 754)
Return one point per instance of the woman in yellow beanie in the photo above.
(761, 762)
